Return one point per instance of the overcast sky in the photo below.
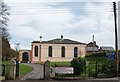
(77, 20)
(119, 25)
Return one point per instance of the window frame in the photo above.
(62, 51)
(36, 51)
(75, 51)
(50, 51)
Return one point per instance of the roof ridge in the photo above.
(61, 41)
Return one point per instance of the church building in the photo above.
(55, 50)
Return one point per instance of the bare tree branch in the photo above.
(4, 17)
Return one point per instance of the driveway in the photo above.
(37, 72)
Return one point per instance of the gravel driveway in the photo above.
(37, 72)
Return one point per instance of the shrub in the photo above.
(109, 67)
(79, 65)
(99, 56)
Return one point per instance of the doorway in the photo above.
(25, 57)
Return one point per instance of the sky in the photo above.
(119, 25)
(74, 19)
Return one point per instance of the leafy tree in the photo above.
(99, 57)
(12, 53)
(109, 67)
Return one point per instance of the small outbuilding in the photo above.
(106, 48)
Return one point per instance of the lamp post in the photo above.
(17, 60)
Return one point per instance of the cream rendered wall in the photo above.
(83, 50)
(21, 54)
(56, 56)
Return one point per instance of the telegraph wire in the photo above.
(25, 8)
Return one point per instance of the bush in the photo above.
(109, 67)
(99, 56)
(78, 64)
(60, 64)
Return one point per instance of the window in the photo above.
(36, 51)
(50, 51)
(75, 52)
(63, 51)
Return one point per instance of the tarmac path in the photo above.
(35, 74)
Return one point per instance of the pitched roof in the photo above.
(60, 41)
(106, 48)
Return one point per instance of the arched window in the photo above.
(50, 51)
(75, 52)
(63, 51)
(36, 51)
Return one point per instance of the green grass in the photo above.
(6, 67)
(5, 62)
(60, 64)
(24, 69)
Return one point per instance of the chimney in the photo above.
(94, 42)
(40, 38)
(61, 37)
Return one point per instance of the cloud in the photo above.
(29, 26)
(32, 1)
(24, 32)
(28, 21)
(105, 24)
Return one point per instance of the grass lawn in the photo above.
(6, 68)
(62, 64)
(23, 69)
(5, 62)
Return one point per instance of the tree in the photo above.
(4, 17)
(79, 65)
(4, 34)
(5, 47)
(11, 53)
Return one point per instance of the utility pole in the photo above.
(93, 44)
(116, 39)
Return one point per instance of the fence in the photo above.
(3, 69)
(98, 69)
(94, 69)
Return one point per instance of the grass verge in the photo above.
(24, 69)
